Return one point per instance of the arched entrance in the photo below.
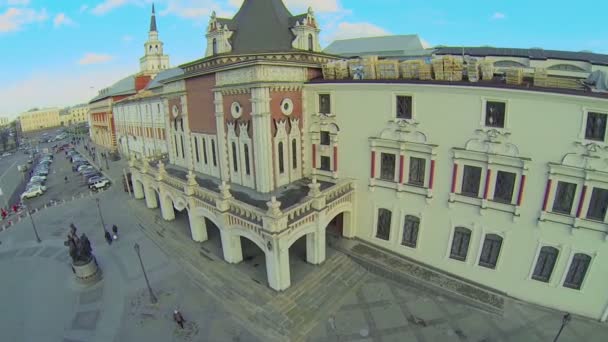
(138, 188)
(254, 260)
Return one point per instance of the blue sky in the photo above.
(61, 52)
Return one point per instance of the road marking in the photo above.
(7, 170)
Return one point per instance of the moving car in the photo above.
(33, 191)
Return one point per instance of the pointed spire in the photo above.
(153, 20)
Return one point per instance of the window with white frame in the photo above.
(324, 103)
(471, 178)
(564, 198)
(417, 171)
(577, 271)
(545, 263)
(490, 251)
(403, 108)
(383, 225)
(595, 128)
(410, 231)
(598, 205)
(505, 184)
(460, 243)
(387, 166)
(325, 138)
(325, 163)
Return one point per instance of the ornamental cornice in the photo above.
(235, 91)
(286, 87)
(261, 73)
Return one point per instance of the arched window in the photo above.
(566, 67)
(294, 154)
(247, 167)
(460, 243)
(310, 42)
(383, 226)
(281, 161)
(234, 158)
(410, 231)
(578, 269)
(214, 46)
(545, 264)
(509, 64)
(490, 251)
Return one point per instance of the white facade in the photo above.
(542, 139)
(140, 126)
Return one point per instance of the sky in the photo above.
(62, 52)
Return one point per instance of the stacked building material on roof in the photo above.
(329, 71)
(540, 77)
(487, 70)
(387, 69)
(437, 64)
(411, 69)
(364, 68)
(564, 83)
(452, 68)
(515, 76)
(473, 70)
(425, 72)
(341, 70)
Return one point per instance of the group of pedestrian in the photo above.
(110, 237)
(6, 212)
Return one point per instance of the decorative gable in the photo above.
(306, 32)
(218, 36)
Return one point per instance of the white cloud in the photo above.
(15, 18)
(18, 2)
(94, 58)
(346, 30)
(498, 16)
(108, 5)
(83, 8)
(62, 19)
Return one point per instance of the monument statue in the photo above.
(84, 264)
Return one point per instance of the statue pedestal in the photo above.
(87, 272)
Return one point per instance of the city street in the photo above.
(220, 302)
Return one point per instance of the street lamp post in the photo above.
(33, 224)
(565, 321)
(153, 299)
(103, 225)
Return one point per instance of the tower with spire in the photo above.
(153, 61)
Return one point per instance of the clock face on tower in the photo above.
(175, 111)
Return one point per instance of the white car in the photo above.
(38, 179)
(102, 183)
(33, 191)
(6, 154)
(31, 184)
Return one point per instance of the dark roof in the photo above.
(163, 76)
(296, 18)
(227, 22)
(262, 26)
(126, 86)
(384, 46)
(153, 21)
(590, 57)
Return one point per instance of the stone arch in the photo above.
(238, 231)
(312, 228)
(204, 213)
(342, 208)
(178, 202)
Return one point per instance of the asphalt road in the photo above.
(11, 179)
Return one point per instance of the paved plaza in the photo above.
(338, 301)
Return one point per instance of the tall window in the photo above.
(204, 151)
(578, 269)
(460, 243)
(410, 231)
(383, 228)
(596, 126)
(176, 147)
(495, 114)
(281, 161)
(387, 166)
(404, 107)
(234, 158)
(247, 167)
(324, 104)
(198, 160)
(598, 205)
(158, 108)
(213, 153)
(294, 154)
(325, 138)
(181, 123)
(564, 197)
(545, 264)
(325, 163)
(417, 171)
(310, 42)
(490, 251)
(181, 139)
(214, 46)
(471, 178)
(505, 182)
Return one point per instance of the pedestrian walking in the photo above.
(66, 179)
(108, 237)
(115, 231)
(178, 318)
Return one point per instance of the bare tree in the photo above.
(4, 134)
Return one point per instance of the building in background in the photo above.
(37, 119)
(398, 46)
(101, 108)
(79, 113)
(4, 121)
(141, 120)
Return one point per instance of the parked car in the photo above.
(38, 178)
(86, 168)
(94, 179)
(75, 166)
(33, 191)
(30, 184)
(41, 173)
(90, 175)
(6, 154)
(100, 184)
